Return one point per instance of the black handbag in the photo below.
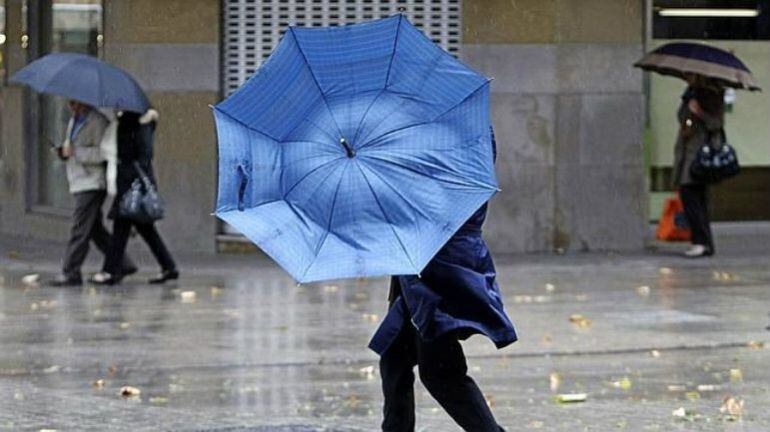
(712, 165)
(141, 203)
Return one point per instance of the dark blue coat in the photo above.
(456, 292)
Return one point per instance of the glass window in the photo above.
(69, 26)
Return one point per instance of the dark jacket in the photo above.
(697, 130)
(456, 292)
(135, 146)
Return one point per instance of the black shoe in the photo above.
(104, 278)
(127, 271)
(166, 275)
(63, 281)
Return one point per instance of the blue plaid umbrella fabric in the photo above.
(355, 151)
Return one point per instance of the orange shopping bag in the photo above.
(673, 224)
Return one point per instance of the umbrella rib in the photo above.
(390, 132)
(328, 224)
(458, 181)
(393, 53)
(390, 224)
(404, 101)
(285, 195)
(366, 113)
(251, 128)
(474, 142)
(315, 79)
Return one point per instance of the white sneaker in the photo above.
(696, 251)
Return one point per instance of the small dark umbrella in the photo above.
(679, 58)
(84, 78)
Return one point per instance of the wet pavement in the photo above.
(236, 345)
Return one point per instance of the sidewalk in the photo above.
(251, 350)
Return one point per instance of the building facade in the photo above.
(568, 109)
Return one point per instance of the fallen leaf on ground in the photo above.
(52, 369)
(31, 279)
(683, 414)
(655, 353)
(623, 384)
(215, 291)
(555, 381)
(129, 391)
(580, 321)
(692, 395)
(756, 345)
(643, 290)
(158, 400)
(732, 406)
(370, 317)
(571, 397)
(98, 384)
(188, 296)
(676, 388)
(34, 306)
(550, 287)
(124, 325)
(367, 372)
(665, 270)
(707, 387)
(736, 375)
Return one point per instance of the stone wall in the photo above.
(568, 111)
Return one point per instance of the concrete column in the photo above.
(568, 111)
(172, 48)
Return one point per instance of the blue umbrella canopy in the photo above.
(355, 151)
(84, 78)
(678, 58)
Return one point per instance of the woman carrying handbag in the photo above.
(701, 118)
(136, 203)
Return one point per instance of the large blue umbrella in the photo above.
(355, 151)
(84, 78)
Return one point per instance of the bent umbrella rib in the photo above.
(315, 79)
(390, 223)
(328, 224)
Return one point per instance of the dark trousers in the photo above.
(696, 209)
(443, 371)
(87, 226)
(120, 233)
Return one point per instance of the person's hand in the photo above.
(65, 152)
(694, 107)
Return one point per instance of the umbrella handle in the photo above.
(348, 149)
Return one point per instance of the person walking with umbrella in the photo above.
(701, 117)
(89, 83)
(708, 71)
(135, 151)
(455, 297)
(365, 150)
(87, 183)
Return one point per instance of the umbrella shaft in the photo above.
(348, 148)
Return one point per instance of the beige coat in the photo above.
(86, 165)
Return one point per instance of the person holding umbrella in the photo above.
(708, 70)
(701, 117)
(455, 297)
(90, 83)
(87, 184)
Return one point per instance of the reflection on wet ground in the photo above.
(235, 347)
